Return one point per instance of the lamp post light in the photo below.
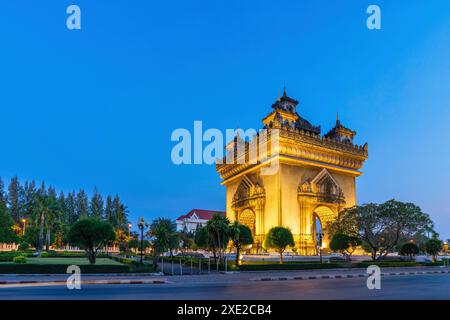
(24, 221)
(141, 225)
(129, 229)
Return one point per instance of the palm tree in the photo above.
(51, 220)
(218, 229)
(46, 210)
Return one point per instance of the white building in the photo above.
(194, 219)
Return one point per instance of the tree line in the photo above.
(41, 216)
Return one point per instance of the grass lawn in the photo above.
(69, 261)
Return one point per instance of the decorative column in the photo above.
(259, 213)
(305, 223)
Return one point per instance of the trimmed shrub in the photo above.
(433, 247)
(44, 254)
(137, 267)
(9, 256)
(409, 249)
(20, 259)
(122, 260)
(278, 239)
(23, 246)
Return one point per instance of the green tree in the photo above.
(419, 239)
(433, 247)
(381, 227)
(32, 236)
(96, 206)
(136, 244)
(133, 244)
(240, 235)
(119, 214)
(109, 211)
(163, 235)
(3, 197)
(51, 192)
(45, 210)
(185, 240)
(91, 234)
(29, 199)
(344, 244)
(278, 239)
(71, 208)
(202, 239)
(218, 229)
(53, 217)
(63, 218)
(82, 204)
(7, 234)
(409, 249)
(14, 203)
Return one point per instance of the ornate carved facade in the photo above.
(315, 176)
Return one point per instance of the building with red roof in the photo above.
(195, 218)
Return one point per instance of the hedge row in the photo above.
(9, 256)
(134, 266)
(122, 260)
(73, 255)
(60, 268)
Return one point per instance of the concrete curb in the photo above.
(342, 276)
(61, 282)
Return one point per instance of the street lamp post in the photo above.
(24, 221)
(129, 229)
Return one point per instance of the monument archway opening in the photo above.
(322, 216)
(317, 232)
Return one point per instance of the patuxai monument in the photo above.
(313, 177)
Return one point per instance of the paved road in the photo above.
(434, 286)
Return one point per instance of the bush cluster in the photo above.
(9, 256)
(20, 259)
(122, 260)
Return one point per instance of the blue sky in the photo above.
(97, 107)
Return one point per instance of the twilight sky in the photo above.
(96, 107)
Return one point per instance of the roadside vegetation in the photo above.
(385, 228)
(45, 224)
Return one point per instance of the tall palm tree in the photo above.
(51, 221)
(45, 212)
(218, 228)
